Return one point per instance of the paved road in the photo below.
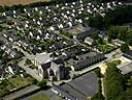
(116, 53)
(21, 93)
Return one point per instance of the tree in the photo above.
(98, 96)
(28, 62)
(124, 47)
(118, 16)
(122, 32)
(128, 38)
(100, 40)
(96, 21)
(128, 94)
(97, 71)
(113, 32)
(42, 84)
(113, 82)
(94, 35)
(1, 53)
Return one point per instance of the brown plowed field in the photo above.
(15, 2)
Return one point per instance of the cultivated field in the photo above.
(15, 2)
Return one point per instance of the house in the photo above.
(117, 42)
(126, 69)
(14, 69)
(88, 40)
(128, 54)
(125, 66)
(87, 32)
(42, 58)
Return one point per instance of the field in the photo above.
(16, 2)
(14, 83)
(40, 97)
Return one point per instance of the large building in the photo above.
(85, 60)
(79, 57)
(53, 70)
(49, 68)
(81, 88)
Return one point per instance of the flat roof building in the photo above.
(80, 62)
(80, 88)
(126, 69)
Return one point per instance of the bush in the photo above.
(28, 62)
(98, 95)
(42, 84)
(124, 47)
(97, 71)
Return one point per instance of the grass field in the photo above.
(40, 97)
(14, 83)
(16, 2)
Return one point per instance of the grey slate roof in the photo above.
(126, 69)
(85, 60)
(80, 88)
(128, 54)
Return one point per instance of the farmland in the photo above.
(16, 2)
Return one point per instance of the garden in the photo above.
(14, 83)
(105, 48)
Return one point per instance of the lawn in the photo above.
(19, 81)
(67, 34)
(105, 48)
(14, 83)
(114, 62)
(40, 97)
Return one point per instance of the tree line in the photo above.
(118, 16)
(117, 86)
(123, 33)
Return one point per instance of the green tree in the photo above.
(98, 96)
(113, 82)
(96, 21)
(124, 47)
(122, 32)
(42, 84)
(94, 35)
(28, 62)
(128, 38)
(113, 32)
